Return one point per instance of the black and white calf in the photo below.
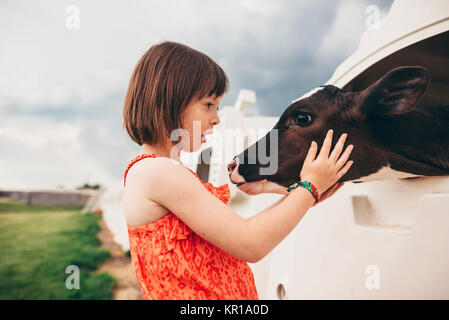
(392, 137)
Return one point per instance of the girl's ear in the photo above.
(397, 92)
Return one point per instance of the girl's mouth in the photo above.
(203, 135)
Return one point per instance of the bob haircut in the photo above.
(167, 78)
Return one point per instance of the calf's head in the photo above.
(279, 155)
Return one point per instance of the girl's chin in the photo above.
(194, 148)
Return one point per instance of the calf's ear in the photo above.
(397, 92)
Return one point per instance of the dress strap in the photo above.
(136, 159)
(149, 155)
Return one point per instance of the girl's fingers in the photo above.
(331, 191)
(344, 157)
(257, 187)
(338, 147)
(311, 153)
(326, 195)
(345, 169)
(334, 188)
(328, 192)
(325, 148)
(340, 184)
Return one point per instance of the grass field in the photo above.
(38, 243)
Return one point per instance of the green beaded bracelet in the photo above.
(305, 184)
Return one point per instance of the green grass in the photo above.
(18, 207)
(38, 243)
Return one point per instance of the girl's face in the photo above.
(198, 119)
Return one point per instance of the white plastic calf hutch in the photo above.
(385, 239)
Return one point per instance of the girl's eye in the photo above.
(210, 104)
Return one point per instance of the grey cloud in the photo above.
(267, 46)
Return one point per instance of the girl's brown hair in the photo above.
(167, 78)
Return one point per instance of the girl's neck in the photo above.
(169, 150)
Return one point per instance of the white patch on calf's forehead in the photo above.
(308, 94)
(386, 173)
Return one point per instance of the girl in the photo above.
(185, 242)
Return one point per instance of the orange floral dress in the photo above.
(173, 262)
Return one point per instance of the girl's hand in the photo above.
(326, 170)
(329, 192)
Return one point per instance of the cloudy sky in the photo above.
(62, 87)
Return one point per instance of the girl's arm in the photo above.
(175, 188)
(329, 192)
(311, 166)
(269, 227)
(268, 211)
(272, 205)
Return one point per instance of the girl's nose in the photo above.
(216, 119)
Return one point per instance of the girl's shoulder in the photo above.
(143, 163)
(147, 180)
(156, 174)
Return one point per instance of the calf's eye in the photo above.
(302, 118)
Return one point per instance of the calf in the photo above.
(392, 137)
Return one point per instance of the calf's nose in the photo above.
(234, 175)
(233, 165)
